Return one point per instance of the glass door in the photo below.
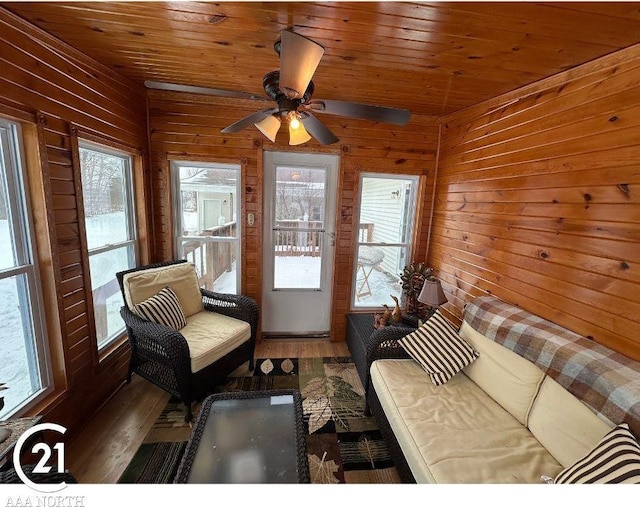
(298, 243)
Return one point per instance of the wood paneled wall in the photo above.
(538, 201)
(47, 83)
(188, 127)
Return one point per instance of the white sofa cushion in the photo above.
(563, 424)
(456, 433)
(182, 279)
(211, 336)
(508, 378)
(438, 349)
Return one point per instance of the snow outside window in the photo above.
(24, 358)
(107, 191)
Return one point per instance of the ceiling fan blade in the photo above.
(317, 129)
(157, 85)
(360, 111)
(299, 58)
(248, 120)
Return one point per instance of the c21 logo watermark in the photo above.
(41, 467)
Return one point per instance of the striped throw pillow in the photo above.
(438, 349)
(163, 308)
(615, 460)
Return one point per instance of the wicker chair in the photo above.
(162, 355)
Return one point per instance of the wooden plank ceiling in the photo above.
(431, 58)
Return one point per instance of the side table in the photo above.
(17, 428)
(360, 332)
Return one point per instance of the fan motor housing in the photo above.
(271, 85)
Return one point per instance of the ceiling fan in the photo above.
(291, 88)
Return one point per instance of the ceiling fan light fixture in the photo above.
(298, 136)
(269, 126)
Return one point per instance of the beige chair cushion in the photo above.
(211, 336)
(182, 279)
(456, 433)
(564, 425)
(507, 377)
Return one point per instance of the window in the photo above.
(383, 245)
(24, 358)
(107, 191)
(206, 210)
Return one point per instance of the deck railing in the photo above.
(298, 237)
(212, 258)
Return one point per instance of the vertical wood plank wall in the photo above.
(538, 201)
(188, 127)
(61, 88)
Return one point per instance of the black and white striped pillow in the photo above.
(615, 460)
(163, 308)
(438, 349)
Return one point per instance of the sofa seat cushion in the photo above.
(211, 336)
(456, 433)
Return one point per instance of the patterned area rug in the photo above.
(343, 445)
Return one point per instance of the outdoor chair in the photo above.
(183, 338)
(369, 258)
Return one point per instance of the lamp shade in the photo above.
(298, 135)
(299, 58)
(432, 293)
(269, 127)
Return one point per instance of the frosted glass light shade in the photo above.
(269, 127)
(298, 136)
(299, 58)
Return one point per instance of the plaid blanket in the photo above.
(605, 380)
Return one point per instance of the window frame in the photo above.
(409, 231)
(19, 207)
(129, 199)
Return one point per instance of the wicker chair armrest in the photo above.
(159, 342)
(383, 344)
(232, 305)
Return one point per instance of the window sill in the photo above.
(105, 354)
(46, 404)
